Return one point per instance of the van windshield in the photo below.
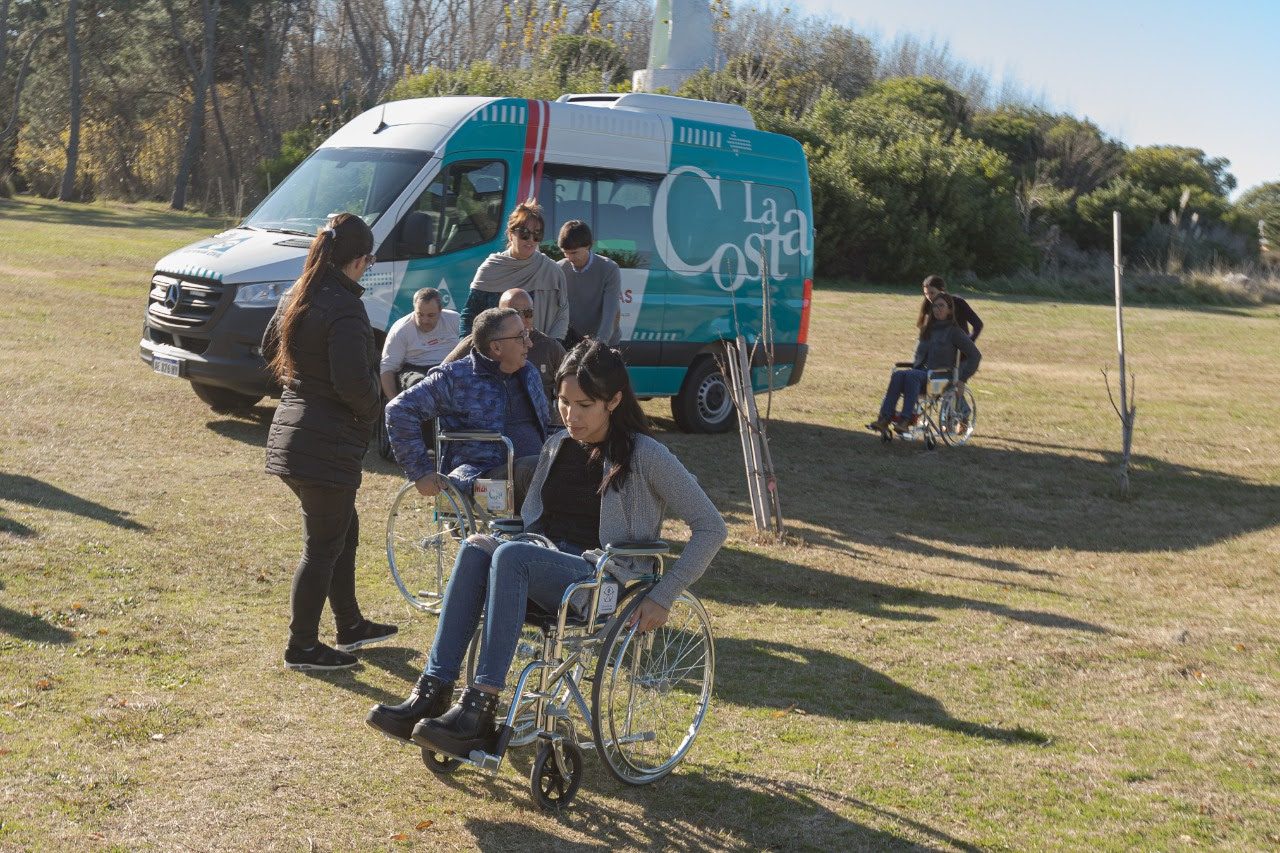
(363, 181)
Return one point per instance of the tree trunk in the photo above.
(68, 192)
(201, 79)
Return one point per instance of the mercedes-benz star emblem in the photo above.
(173, 296)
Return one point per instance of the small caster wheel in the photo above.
(551, 789)
(440, 764)
(930, 442)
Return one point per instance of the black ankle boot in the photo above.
(466, 726)
(430, 698)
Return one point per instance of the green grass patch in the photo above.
(966, 649)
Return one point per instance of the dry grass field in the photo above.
(975, 648)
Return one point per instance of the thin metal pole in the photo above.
(1115, 235)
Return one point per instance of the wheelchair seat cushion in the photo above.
(546, 620)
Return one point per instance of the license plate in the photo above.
(167, 366)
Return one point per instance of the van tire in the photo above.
(704, 404)
(224, 401)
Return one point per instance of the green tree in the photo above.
(1262, 204)
(926, 96)
(912, 195)
(569, 56)
(1140, 209)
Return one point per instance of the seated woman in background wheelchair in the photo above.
(602, 480)
(941, 340)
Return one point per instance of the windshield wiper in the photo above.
(278, 230)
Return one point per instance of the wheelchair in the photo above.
(941, 413)
(424, 534)
(593, 683)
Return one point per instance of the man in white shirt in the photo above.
(417, 342)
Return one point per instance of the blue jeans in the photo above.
(499, 586)
(906, 384)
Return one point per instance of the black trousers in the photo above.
(327, 571)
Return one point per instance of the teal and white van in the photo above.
(703, 212)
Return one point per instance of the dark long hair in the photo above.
(601, 373)
(926, 306)
(933, 321)
(345, 238)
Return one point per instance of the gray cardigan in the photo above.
(657, 481)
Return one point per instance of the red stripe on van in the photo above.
(804, 311)
(542, 144)
(532, 131)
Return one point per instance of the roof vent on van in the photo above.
(686, 108)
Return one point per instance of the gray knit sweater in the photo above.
(657, 482)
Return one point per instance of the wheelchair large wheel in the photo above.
(652, 691)
(423, 538)
(956, 418)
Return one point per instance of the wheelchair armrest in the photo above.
(904, 364)
(471, 435)
(507, 526)
(656, 548)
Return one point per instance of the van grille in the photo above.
(197, 300)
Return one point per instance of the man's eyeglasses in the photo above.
(527, 233)
(525, 336)
(371, 259)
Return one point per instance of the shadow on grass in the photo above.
(696, 811)
(746, 578)
(20, 488)
(27, 627)
(952, 501)
(347, 679)
(754, 673)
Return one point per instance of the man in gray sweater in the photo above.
(595, 287)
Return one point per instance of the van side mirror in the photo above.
(415, 234)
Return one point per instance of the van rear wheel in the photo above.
(224, 401)
(704, 403)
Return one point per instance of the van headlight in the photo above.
(261, 295)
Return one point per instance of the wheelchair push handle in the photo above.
(904, 364)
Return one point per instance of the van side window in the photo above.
(571, 198)
(625, 214)
(617, 206)
(460, 208)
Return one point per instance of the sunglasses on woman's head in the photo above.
(527, 233)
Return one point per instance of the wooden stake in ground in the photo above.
(1126, 409)
(762, 483)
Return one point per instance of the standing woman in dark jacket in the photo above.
(320, 347)
(964, 315)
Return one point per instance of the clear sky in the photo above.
(1200, 74)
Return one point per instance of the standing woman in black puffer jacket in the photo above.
(320, 347)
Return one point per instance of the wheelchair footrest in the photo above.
(504, 737)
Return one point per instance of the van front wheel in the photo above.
(704, 403)
(224, 401)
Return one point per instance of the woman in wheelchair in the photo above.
(602, 480)
(940, 341)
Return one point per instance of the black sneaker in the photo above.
(318, 656)
(364, 633)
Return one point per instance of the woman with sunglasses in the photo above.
(320, 347)
(522, 265)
